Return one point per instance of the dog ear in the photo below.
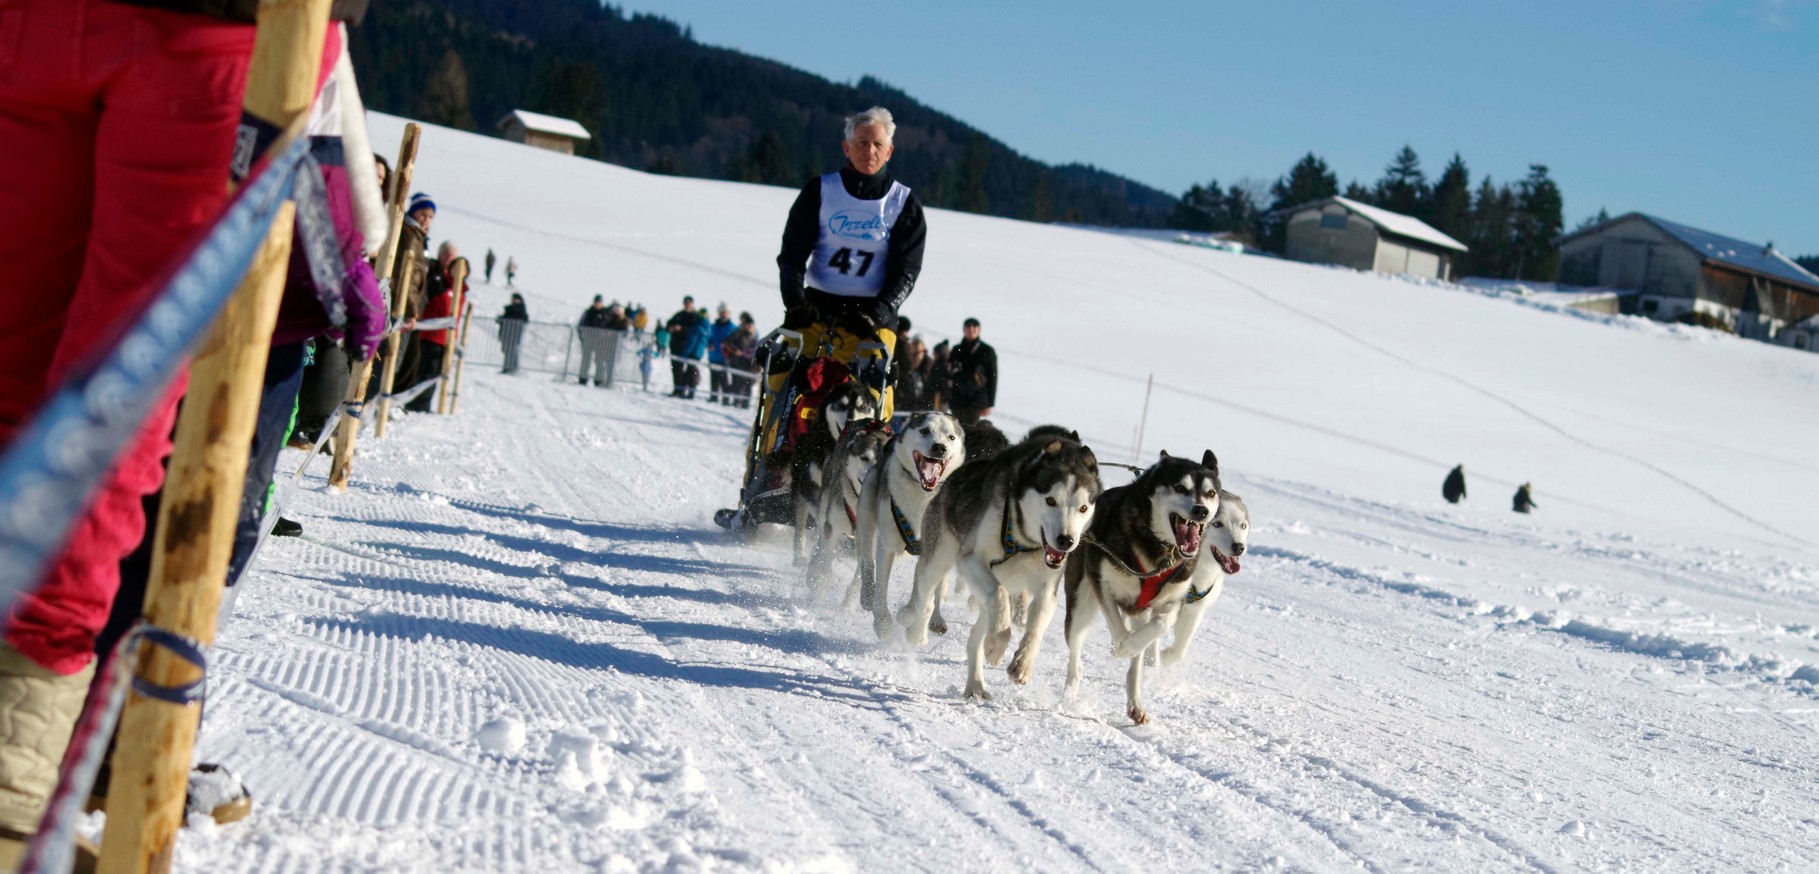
(1053, 447)
(1165, 455)
(1210, 460)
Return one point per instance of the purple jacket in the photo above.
(301, 314)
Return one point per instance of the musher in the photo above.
(852, 250)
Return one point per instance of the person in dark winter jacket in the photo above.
(1454, 488)
(511, 331)
(439, 293)
(740, 349)
(680, 326)
(1524, 501)
(719, 388)
(970, 385)
(696, 350)
(595, 342)
(917, 380)
(490, 260)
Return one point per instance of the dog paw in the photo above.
(976, 692)
(916, 635)
(1127, 650)
(1021, 668)
(937, 624)
(1172, 655)
(881, 623)
(1138, 715)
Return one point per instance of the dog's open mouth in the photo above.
(1225, 561)
(1051, 556)
(929, 470)
(1187, 534)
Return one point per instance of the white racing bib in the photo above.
(855, 237)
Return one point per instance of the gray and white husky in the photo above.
(1007, 525)
(1140, 557)
(930, 448)
(1226, 538)
(808, 458)
(843, 476)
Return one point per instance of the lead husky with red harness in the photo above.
(1136, 562)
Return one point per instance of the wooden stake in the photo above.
(195, 535)
(457, 278)
(454, 388)
(349, 426)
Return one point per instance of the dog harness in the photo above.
(911, 543)
(1149, 583)
(1009, 538)
(850, 515)
(1194, 594)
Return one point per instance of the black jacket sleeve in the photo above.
(904, 259)
(800, 233)
(988, 365)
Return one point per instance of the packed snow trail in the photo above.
(518, 643)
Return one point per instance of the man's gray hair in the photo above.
(876, 115)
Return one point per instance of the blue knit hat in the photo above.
(419, 201)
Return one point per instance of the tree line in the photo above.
(1509, 228)
(655, 99)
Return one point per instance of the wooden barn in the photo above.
(1339, 230)
(543, 131)
(1680, 272)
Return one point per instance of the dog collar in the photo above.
(1194, 594)
(911, 542)
(1009, 538)
(1150, 583)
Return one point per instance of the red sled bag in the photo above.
(819, 380)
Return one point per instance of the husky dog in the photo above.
(1227, 537)
(844, 476)
(984, 440)
(1141, 554)
(930, 448)
(848, 403)
(1007, 524)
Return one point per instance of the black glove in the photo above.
(800, 316)
(860, 323)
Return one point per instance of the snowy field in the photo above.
(519, 643)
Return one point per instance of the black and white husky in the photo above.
(854, 458)
(930, 448)
(1226, 538)
(1007, 524)
(1138, 562)
(850, 402)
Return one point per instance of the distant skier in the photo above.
(1523, 502)
(489, 266)
(1454, 489)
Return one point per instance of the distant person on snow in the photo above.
(852, 249)
(1523, 502)
(719, 386)
(680, 326)
(438, 303)
(696, 350)
(511, 331)
(1454, 489)
(594, 341)
(489, 266)
(741, 350)
(970, 385)
(511, 272)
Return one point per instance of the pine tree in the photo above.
(1042, 204)
(766, 162)
(1537, 224)
(1355, 190)
(574, 90)
(1490, 237)
(444, 99)
(1199, 208)
(1310, 179)
(1403, 187)
(972, 177)
(1593, 220)
(1452, 201)
(1809, 262)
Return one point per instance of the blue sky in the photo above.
(1703, 112)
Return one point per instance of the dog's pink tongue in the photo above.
(1230, 564)
(1187, 537)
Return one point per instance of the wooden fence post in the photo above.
(457, 279)
(349, 426)
(454, 388)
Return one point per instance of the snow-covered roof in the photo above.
(547, 124)
(1390, 222)
(1741, 254)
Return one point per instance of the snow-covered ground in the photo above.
(519, 643)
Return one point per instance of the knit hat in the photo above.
(419, 201)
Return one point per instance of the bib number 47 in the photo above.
(843, 261)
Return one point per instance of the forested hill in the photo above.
(656, 99)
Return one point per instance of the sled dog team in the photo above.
(1021, 525)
